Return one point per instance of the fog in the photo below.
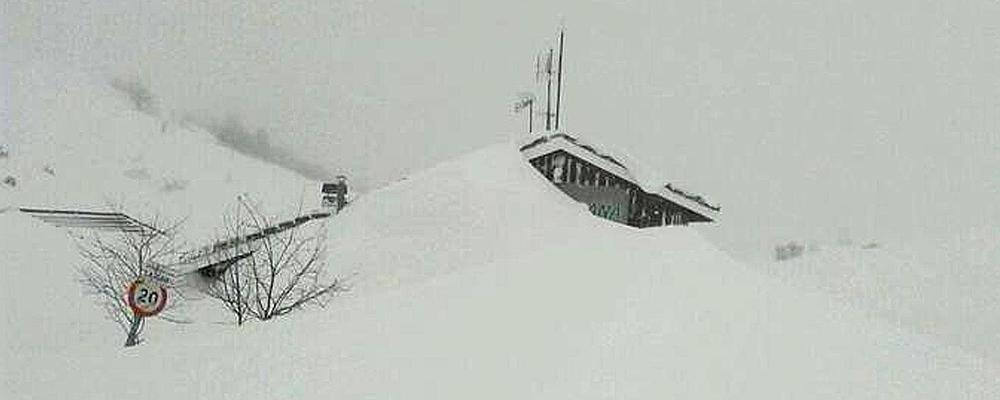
(804, 120)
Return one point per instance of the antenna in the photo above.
(548, 92)
(526, 100)
(562, 33)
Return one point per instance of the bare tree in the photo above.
(228, 282)
(115, 259)
(269, 268)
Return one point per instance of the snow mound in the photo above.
(478, 208)
(944, 286)
(628, 315)
(500, 287)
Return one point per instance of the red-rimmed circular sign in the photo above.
(146, 297)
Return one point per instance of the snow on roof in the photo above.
(624, 167)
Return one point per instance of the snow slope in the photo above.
(474, 279)
(102, 152)
(945, 286)
(602, 311)
(484, 206)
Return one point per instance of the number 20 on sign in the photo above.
(146, 297)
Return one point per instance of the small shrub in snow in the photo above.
(788, 251)
(273, 270)
(10, 181)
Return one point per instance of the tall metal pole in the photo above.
(531, 112)
(559, 84)
(548, 93)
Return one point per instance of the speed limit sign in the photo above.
(146, 297)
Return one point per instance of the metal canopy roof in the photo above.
(90, 220)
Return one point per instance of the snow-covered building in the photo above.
(609, 188)
(335, 193)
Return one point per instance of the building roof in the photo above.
(540, 145)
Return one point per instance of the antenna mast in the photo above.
(531, 110)
(562, 33)
(526, 101)
(548, 92)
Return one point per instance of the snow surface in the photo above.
(473, 279)
(943, 286)
(104, 153)
(482, 207)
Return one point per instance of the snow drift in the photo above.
(944, 286)
(474, 279)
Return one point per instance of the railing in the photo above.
(218, 246)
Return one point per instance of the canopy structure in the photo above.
(213, 259)
(100, 220)
(209, 260)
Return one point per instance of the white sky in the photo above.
(805, 120)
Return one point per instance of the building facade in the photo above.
(609, 189)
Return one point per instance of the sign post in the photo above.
(146, 297)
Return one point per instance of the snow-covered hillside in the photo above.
(473, 279)
(944, 286)
(75, 142)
